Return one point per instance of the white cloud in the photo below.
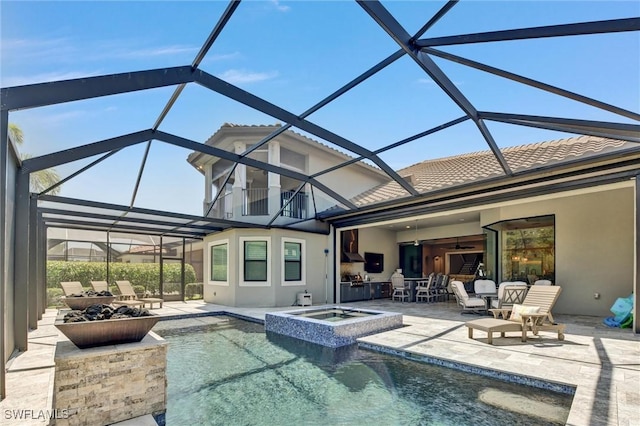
(59, 118)
(155, 51)
(280, 7)
(240, 76)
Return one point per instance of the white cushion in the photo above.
(518, 310)
(473, 302)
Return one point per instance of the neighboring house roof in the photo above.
(446, 172)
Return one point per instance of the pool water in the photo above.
(335, 314)
(225, 371)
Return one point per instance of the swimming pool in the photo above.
(225, 371)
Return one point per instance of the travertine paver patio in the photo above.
(603, 363)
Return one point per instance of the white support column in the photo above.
(208, 185)
(240, 183)
(274, 178)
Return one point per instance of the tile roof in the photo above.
(446, 172)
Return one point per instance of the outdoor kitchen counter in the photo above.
(365, 290)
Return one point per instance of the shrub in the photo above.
(54, 296)
(146, 275)
(139, 290)
(193, 291)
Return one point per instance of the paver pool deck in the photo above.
(602, 363)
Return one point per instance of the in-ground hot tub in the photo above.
(334, 326)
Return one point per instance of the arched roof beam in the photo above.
(259, 104)
(533, 83)
(118, 227)
(99, 216)
(627, 132)
(57, 92)
(400, 36)
(581, 28)
(140, 210)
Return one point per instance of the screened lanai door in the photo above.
(172, 279)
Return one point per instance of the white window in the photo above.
(255, 261)
(293, 262)
(219, 262)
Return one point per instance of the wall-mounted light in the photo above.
(416, 242)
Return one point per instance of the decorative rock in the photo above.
(104, 312)
(91, 293)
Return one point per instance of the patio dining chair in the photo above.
(400, 289)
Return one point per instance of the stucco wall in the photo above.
(276, 293)
(377, 240)
(594, 246)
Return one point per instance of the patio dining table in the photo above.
(488, 297)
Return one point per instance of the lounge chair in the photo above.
(129, 296)
(468, 304)
(71, 287)
(100, 286)
(533, 315)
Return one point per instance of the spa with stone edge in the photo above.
(333, 327)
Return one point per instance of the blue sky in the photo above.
(294, 54)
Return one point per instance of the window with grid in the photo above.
(255, 261)
(292, 261)
(219, 262)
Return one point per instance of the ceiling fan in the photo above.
(459, 247)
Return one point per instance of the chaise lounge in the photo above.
(533, 315)
(71, 287)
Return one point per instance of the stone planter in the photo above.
(80, 303)
(89, 334)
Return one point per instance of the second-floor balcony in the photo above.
(255, 202)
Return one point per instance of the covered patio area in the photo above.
(600, 362)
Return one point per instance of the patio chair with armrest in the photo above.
(533, 315)
(468, 304)
(424, 290)
(123, 299)
(509, 293)
(484, 286)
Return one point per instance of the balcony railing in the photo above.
(255, 202)
(223, 209)
(297, 207)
